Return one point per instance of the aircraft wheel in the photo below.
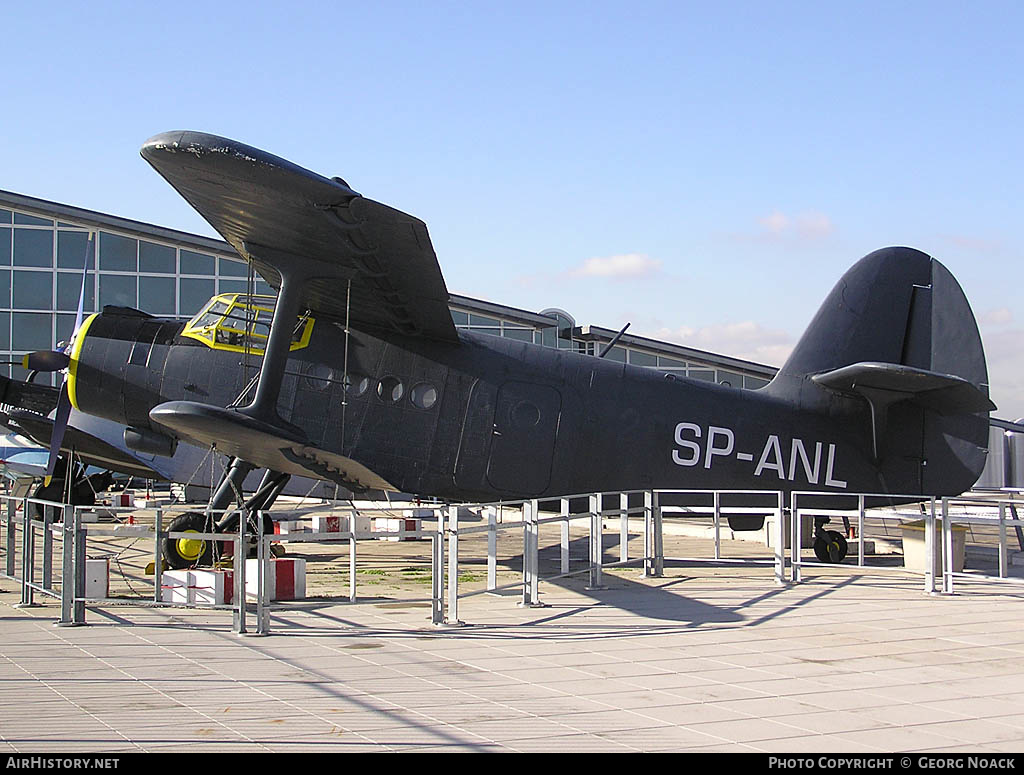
(53, 492)
(188, 552)
(830, 547)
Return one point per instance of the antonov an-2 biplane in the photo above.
(357, 374)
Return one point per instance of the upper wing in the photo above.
(272, 211)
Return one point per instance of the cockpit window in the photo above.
(241, 323)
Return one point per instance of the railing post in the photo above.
(452, 517)
(437, 571)
(717, 500)
(262, 579)
(795, 539)
(492, 548)
(238, 615)
(929, 547)
(648, 533)
(527, 580)
(1002, 541)
(860, 531)
(563, 511)
(659, 538)
(158, 556)
(12, 542)
(47, 548)
(596, 541)
(947, 549)
(531, 584)
(80, 540)
(353, 543)
(780, 540)
(28, 559)
(67, 568)
(623, 526)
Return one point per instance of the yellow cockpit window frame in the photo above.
(226, 329)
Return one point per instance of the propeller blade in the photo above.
(46, 360)
(81, 296)
(60, 424)
(63, 411)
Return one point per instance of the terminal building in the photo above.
(171, 273)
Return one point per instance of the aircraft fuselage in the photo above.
(490, 418)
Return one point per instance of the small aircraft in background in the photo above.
(356, 374)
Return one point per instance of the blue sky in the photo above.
(704, 171)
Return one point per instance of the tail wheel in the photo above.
(830, 547)
(188, 552)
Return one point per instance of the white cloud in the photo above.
(746, 339)
(776, 223)
(1005, 370)
(802, 227)
(1001, 316)
(624, 265)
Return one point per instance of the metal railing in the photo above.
(441, 523)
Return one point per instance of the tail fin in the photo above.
(896, 345)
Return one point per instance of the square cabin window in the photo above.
(156, 295)
(158, 259)
(33, 247)
(118, 254)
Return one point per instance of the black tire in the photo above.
(830, 547)
(182, 553)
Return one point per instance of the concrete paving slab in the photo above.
(700, 660)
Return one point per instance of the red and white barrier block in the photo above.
(401, 528)
(339, 524)
(198, 587)
(291, 527)
(287, 578)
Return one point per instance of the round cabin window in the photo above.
(390, 389)
(423, 395)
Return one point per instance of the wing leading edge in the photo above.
(272, 211)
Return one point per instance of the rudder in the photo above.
(898, 334)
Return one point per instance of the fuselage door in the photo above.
(523, 439)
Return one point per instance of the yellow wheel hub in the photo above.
(190, 548)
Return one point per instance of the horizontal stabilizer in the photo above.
(87, 448)
(38, 398)
(944, 393)
(262, 444)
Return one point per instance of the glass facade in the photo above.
(41, 263)
(44, 247)
(561, 334)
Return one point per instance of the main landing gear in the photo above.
(82, 492)
(192, 552)
(829, 545)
